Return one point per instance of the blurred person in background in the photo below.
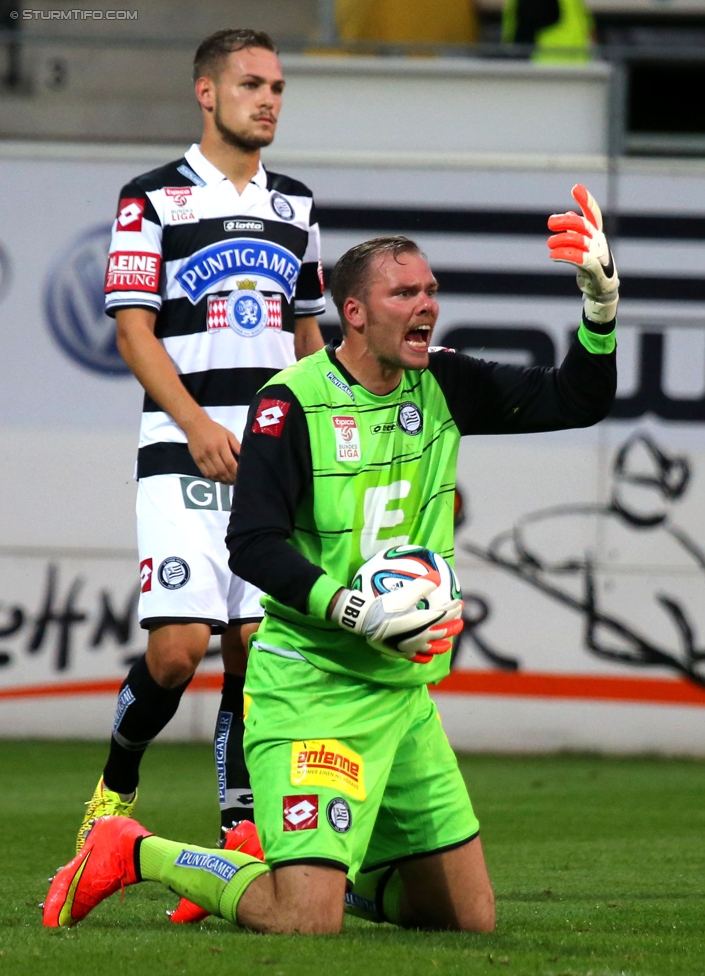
(214, 281)
(560, 30)
(11, 71)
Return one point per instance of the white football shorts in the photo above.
(181, 526)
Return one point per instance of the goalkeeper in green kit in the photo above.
(358, 795)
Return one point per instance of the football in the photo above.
(394, 567)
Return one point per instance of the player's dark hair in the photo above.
(212, 52)
(350, 277)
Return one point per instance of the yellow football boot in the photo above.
(103, 803)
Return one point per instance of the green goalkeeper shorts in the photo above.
(348, 773)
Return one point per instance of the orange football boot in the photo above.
(105, 864)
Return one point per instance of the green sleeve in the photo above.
(322, 592)
(601, 345)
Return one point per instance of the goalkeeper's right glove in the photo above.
(393, 623)
(582, 243)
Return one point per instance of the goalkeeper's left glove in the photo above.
(581, 242)
(394, 623)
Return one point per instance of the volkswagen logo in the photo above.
(73, 304)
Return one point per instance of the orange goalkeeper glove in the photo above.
(582, 243)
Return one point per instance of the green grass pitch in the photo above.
(598, 865)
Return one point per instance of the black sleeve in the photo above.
(135, 190)
(532, 16)
(492, 398)
(274, 471)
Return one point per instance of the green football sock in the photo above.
(213, 879)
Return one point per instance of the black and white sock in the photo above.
(234, 792)
(143, 710)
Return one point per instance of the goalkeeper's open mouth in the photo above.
(419, 337)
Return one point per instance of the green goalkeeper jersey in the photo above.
(330, 474)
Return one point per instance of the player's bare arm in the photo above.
(307, 336)
(212, 446)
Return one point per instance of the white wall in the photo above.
(68, 435)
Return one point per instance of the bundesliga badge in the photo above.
(246, 312)
(347, 439)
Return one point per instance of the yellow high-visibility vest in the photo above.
(573, 30)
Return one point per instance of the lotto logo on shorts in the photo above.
(130, 210)
(328, 763)
(270, 417)
(301, 812)
(274, 312)
(146, 572)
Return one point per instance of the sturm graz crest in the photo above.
(282, 207)
(339, 815)
(246, 312)
(173, 573)
(74, 304)
(410, 419)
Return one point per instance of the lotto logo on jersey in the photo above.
(270, 417)
(300, 812)
(133, 271)
(347, 439)
(146, 572)
(130, 211)
(328, 763)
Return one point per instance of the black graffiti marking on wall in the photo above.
(669, 478)
(475, 611)
(57, 620)
(15, 618)
(649, 395)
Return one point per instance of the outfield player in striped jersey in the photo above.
(214, 281)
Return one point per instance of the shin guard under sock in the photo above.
(143, 709)
(234, 791)
(376, 896)
(213, 879)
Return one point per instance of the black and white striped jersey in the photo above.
(227, 274)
